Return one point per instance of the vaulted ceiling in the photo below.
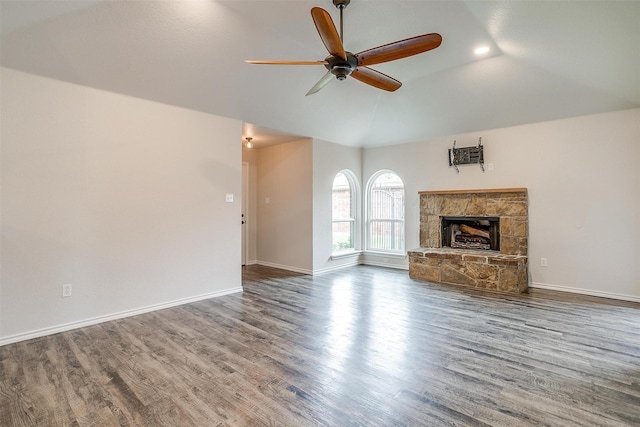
(547, 60)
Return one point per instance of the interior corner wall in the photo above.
(250, 156)
(328, 160)
(285, 206)
(582, 177)
(121, 197)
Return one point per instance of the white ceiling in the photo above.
(548, 60)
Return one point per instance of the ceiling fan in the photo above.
(341, 63)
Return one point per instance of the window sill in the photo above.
(345, 254)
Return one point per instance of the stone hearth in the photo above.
(505, 270)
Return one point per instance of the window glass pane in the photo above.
(342, 235)
(342, 194)
(387, 235)
(386, 213)
(343, 213)
(387, 197)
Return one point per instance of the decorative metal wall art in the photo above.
(466, 155)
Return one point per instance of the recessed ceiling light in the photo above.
(481, 50)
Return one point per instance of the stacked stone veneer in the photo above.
(504, 271)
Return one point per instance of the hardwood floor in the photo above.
(361, 346)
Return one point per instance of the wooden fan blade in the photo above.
(376, 78)
(328, 33)
(399, 49)
(268, 62)
(321, 83)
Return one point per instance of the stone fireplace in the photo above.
(476, 238)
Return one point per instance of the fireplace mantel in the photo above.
(504, 270)
(481, 191)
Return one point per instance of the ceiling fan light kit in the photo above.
(342, 64)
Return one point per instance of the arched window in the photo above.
(343, 208)
(385, 215)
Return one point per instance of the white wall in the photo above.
(328, 160)
(285, 222)
(121, 197)
(583, 177)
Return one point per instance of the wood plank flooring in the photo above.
(363, 346)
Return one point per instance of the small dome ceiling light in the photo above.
(481, 50)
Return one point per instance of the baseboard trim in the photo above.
(344, 255)
(106, 318)
(334, 268)
(582, 291)
(285, 267)
(384, 264)
(385, 259)
(352, 263)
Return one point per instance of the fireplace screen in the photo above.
(481, 233)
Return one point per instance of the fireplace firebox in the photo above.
(481, 233)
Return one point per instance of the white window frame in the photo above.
(369, 220)
(354, 219)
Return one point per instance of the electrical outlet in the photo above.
(66, 291)
(229, 198)
(543, 262)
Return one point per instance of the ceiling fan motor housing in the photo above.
(341, 4)
(341, 68)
